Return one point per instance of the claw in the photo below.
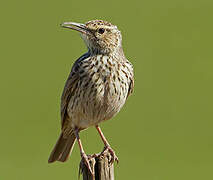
(86, 160)
(112, 153)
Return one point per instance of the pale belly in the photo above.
(97, 105)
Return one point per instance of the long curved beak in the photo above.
(76, 26)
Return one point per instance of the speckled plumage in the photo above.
(98, 85)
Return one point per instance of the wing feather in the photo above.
(70, 87)
(69, 90)
(131, 86)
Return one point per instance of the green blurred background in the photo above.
(164, 132)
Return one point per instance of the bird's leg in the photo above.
(83, 154)
(107, 146)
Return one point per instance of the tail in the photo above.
(62, 148)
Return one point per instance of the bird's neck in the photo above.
(107, 52)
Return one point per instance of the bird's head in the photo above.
(100, 36)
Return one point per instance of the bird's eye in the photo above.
(101, 30)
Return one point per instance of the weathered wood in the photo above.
(100, 164)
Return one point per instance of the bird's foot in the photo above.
(86, 160)
(112, 153)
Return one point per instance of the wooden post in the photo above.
(100, 164)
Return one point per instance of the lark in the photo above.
(98, 86)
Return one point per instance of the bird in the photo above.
(97, 87)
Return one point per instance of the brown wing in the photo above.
(131, 83)
(131, 86)
(68, 91)
(70, 87)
